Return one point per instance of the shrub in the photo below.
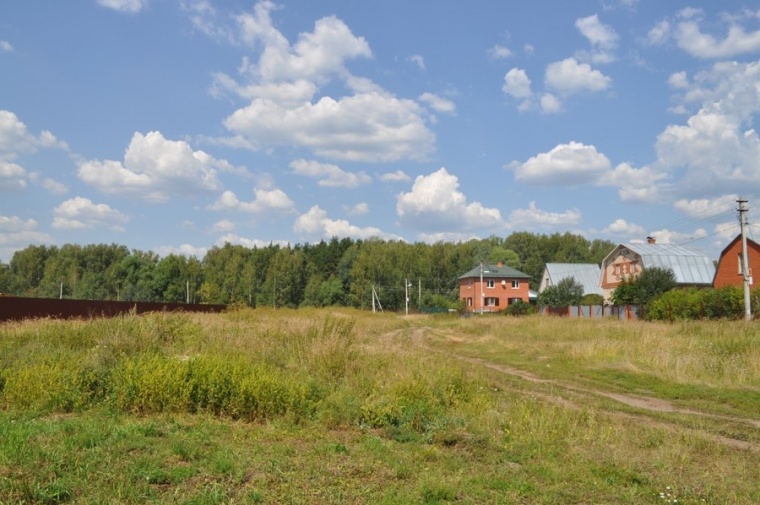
(520, 308)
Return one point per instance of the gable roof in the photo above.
(495, 272)
(690, 265)
(751, 244)
(586, 274)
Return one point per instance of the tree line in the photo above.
(339, 271)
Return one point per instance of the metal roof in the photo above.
(586, 274)
(495, 271)
(690, 265)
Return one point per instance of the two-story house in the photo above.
(491, 288)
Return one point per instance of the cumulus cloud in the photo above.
(128, 6)
(666, 236)
(550, 104)
(12, 176)
(316, 224)
(638, 185)
(438, 103)
(223, 226)
(17, 233)
(231, 238)
(569, 76)
(499, 52)
(533, 216)
(659, 33)
(566, 164)
(603, 39)
(186, 250)
(266, 200)
(329, 175)
(366, 123)
(623, 227)
(435, 204)
(517, 84)
(81, 213)
(356, 210)
(695, 42)
(705, 208)
(397, 176)
(155, 168)
(15, 138)
(5, 46)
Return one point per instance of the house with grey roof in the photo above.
(690, 266)
(492, 288)
(585, 274)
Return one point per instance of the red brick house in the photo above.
(491, 288)
(729, 271)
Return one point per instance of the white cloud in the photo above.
(81, 213)
(315, 224)
(266, 200)
(623, 227)
(223, 226)
(659, 34)
(499, 52)
(435, 204)
(565, 164)
(702, 45)
(50, 185)
(15, 139)
(417, 60)
(12, 176)
(397, 176)
(186, 250)
(367, 124)
(129, 6)
(17, 233)
(678, 80)
(602, 37)
(568, 77)
(550, 104)
(356, 210)
(533, 216)
(231, 238)
(329, 175)
(438, 103)
(517, 83)
(368, 127)
(705, 208)
(638, 185)
(666, 236)
(155, 168)
(5, 46)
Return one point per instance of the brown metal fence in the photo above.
(14, 308)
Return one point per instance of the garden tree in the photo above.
(650, 283)
(286, 278)
(28, 269)
(170, 279)
(223, 279)
(135, 276)
(566, 292)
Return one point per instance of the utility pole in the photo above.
(406, 294)
(745, 262)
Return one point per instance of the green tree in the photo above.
(650, 283)
(566, 292)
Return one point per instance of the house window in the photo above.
(469, 302)
(515, 283)
(492, 302)
(490, 283)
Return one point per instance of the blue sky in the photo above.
(177, 125)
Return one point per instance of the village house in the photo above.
(491, 288)
(585, 274)
(729, 271)
(626, 261)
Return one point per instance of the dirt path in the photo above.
(645, 403)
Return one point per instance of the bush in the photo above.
(520, 308)
(692, 303)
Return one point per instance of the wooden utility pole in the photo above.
(745, 261)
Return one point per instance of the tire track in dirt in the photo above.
(645, 403)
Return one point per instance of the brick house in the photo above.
(491, 288)
(690, 266)
(729, 271)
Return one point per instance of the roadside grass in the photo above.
(342, 406)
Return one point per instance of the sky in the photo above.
(174, 126)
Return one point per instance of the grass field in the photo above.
(341, 406)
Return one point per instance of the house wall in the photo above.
(622, 264)
(728, 272)
(469, 289)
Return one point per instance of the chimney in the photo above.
(499, 264)
(651, 240)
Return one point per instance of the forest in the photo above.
(340, 271)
